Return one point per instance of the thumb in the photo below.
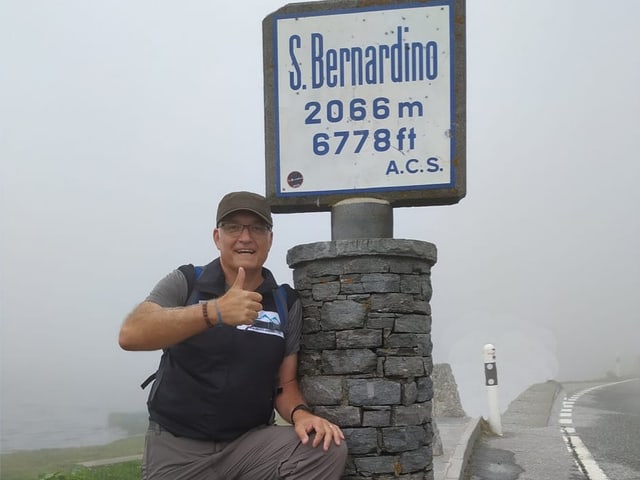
(239, 283)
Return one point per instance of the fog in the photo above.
(123, 123)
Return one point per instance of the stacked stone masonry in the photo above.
(365, 357)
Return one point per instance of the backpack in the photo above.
(192, 274)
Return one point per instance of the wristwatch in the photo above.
(301, 406)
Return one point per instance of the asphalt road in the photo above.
(607, 421)
(598, 421)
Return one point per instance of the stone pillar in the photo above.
(365, 357)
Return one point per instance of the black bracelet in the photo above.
(302, 406)
(205, 314)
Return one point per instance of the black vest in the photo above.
(222, 382)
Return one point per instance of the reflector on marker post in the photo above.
(491, 381)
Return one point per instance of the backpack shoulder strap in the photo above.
(149, 379)
(192, 274)
(189, 272)
(284, 297)
(280, 296)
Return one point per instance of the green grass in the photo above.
(122, 471)
(61, 463)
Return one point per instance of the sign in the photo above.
(363, 102)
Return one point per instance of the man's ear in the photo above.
(216, 237)
(270, 242)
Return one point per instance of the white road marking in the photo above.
(585, 461)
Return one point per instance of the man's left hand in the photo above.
(325, 431)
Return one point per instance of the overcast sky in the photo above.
(122, 124)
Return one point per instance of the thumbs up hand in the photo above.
(239, 306)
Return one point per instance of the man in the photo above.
(230, 357)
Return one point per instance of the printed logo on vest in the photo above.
(267, 323)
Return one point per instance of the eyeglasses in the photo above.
(255, 229)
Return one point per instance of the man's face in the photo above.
(246, 248)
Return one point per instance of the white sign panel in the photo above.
(364, 100)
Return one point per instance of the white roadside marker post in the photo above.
(491, 381)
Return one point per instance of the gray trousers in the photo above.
(265, 453)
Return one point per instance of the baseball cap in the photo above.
(236, 201)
